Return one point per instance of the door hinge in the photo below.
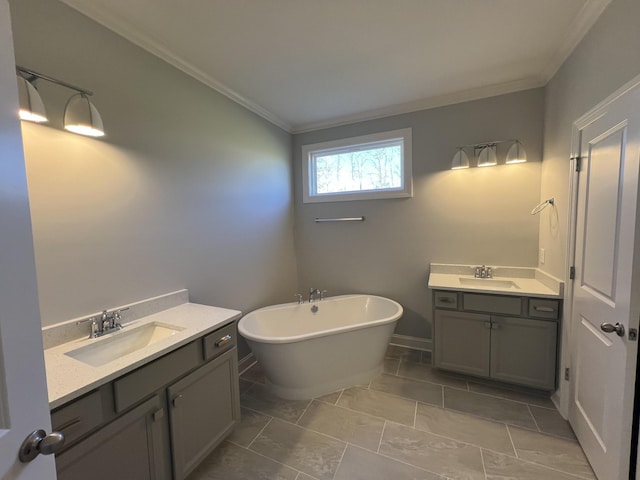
(572, 273)
(567, 374)
(578, 163)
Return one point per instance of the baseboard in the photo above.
(416, 343)
(246, 362)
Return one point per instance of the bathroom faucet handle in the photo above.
(322, 294)
(94, 325)
(489, 272)
(300, 298)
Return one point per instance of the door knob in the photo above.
(618, 328)
(38, 442)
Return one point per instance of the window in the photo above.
(359, 168)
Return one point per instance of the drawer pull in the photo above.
(223, 340)
(544, 309)
(445, 300)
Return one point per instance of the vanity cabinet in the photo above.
(158, 421)
(506, 338)
(135, 445)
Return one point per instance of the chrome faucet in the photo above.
(104, 323)
(483, 272)
(312, 294)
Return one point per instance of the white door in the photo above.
(23, 395)
(606, 283)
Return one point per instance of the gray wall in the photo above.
(479, 215)
(187, 190)
(605, 60)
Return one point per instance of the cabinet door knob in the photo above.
(176, 400)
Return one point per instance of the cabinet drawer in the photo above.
(445, 299)
(142, 382)
(540, 308)
(492, 304)
(79, 417)
(219, 341)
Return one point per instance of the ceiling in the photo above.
(309, 64)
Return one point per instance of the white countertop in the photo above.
(529, 281)
(68, 378)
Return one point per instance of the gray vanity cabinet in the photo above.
(158, 421)
(203, 411)
(523, 351)
(463, 342)
(135, 445)
(510, 339)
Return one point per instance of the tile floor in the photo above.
(412, 422)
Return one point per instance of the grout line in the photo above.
(346, 444)
(381, 435)
(534, 418)
(259, 433)
(443, 397)
(397, 374)
(515, 450)
(303, 412)
(339, 396)
(484, 469)
(415, 415)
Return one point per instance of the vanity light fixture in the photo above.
(31, 106)
(516, 154)
(460, 160)
(80, 115)
(486, 154)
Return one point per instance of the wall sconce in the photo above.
(80, 115)
(486, 154)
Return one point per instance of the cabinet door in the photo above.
(524, 351)
(136, 445)
(205, 407)
(461, 342)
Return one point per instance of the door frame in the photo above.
(568, 341)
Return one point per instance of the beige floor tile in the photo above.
(551, 422)
(304, 476)
(353, 427)
(557, 453)
(434, 453)
(379, 404)
(412, 389)
(251, 423)
(359, 464)
(531, 398)
(310, 452)
(498, 409)
(464, 428)
(254, 374)
(502, 467)
(230, 462)
(260, 399)
(426, 373)
(331, 398)
(391, 365)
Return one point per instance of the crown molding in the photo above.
(425, 104)
(120, 27)
(581, 24)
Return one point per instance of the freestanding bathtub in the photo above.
(311, 349)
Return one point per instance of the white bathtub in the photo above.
(306, 354)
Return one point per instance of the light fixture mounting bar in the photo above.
(33, 75)
(486, 144)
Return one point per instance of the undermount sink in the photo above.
(109, 348)
(488, 282)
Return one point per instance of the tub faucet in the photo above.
(312, 294)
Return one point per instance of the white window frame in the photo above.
(350, 144)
